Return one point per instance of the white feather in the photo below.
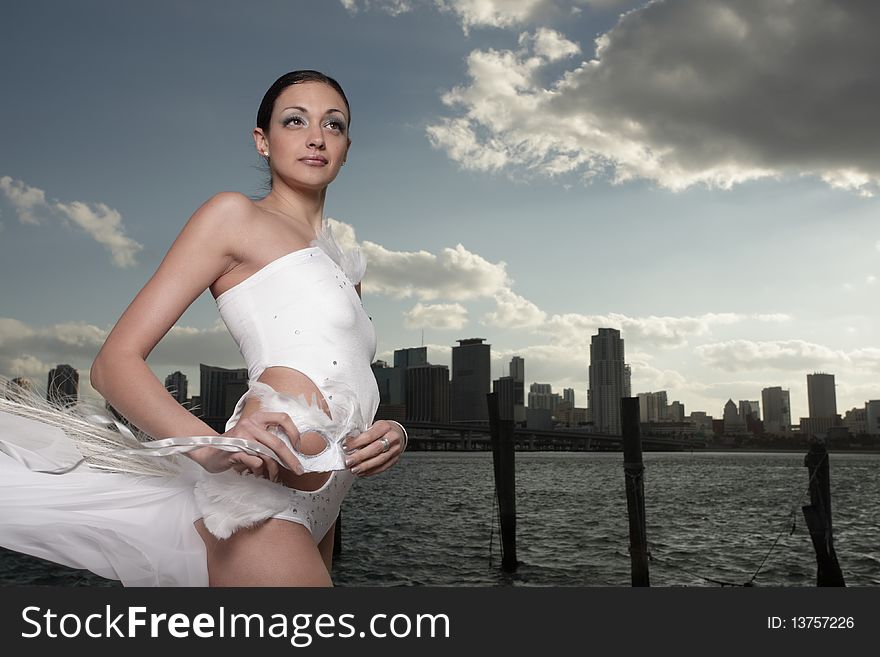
(352, 262)
(229, 501)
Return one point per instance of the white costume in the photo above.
(126, 514)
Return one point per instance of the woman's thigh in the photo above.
(273, 553)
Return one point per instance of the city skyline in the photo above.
(528, 172)
(774, 397)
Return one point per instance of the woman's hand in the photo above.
(376, 449)
(254, 427)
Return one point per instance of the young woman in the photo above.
(260, 509)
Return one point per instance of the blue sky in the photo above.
(702, 175)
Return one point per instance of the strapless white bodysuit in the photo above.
(300, 311)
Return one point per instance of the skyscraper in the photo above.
(176, 384)
(608, 380)
(427, 393)
(541, 395)
(821, 395)
(471, 377)
(568, 396)
(748, 408)
(391, 384)
(410, 357)
(63, 386)
(220, 389)
(777, 410)
(653, 406)
(504, 393)
(872, 417)
(733, 422)
(518, 374)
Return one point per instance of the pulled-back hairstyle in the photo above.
(286, 80)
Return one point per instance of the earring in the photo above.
(266, 153)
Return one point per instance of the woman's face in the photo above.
(307, 140)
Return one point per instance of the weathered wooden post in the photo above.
(634, 470)
(818, 517)
(501, 432)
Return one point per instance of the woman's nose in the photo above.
(316, 137)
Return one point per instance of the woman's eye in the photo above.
(294, 120)
(338, 126)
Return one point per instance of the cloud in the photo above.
(489, 13)
(392, 7)
(100, 222)
(794, 355)
(456, 274)
(436, 316)
(25, 199)
(710, 92)
(104, 225)
(651, 330)
(32, 351)
(514, 311)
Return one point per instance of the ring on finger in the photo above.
(385, 445)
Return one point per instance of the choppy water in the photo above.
(710, 516)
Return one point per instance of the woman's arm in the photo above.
(201, 253)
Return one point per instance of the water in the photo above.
(711, 518)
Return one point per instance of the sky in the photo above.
(701, 174)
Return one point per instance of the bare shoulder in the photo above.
(220, 224)
(226, 212)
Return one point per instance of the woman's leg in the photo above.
(325, 547)
(274, 553)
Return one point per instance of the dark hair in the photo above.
(286, 80)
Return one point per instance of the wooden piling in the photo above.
(634, 470)
(818, 517)
(501, 432)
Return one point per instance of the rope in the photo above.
(792, 518)
(792, 515)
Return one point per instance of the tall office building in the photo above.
(748, 408)
(872, 417)
(63, 386)
(427, 394)
(471, 378)
(653, 406)
(410, 357)
(777, 410)
(518, 375)
(221, 388)
(568, 396)
(608, 380)
(391, 384)
(821, 395)
(518, 368)
(675, 412)
(504, 395)
(176, 384)
(733, 422)
(403, 360)
(541, 395)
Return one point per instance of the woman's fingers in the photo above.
(369, 455)
(255, 427)
(273, 442)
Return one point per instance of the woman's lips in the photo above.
(314, 161)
